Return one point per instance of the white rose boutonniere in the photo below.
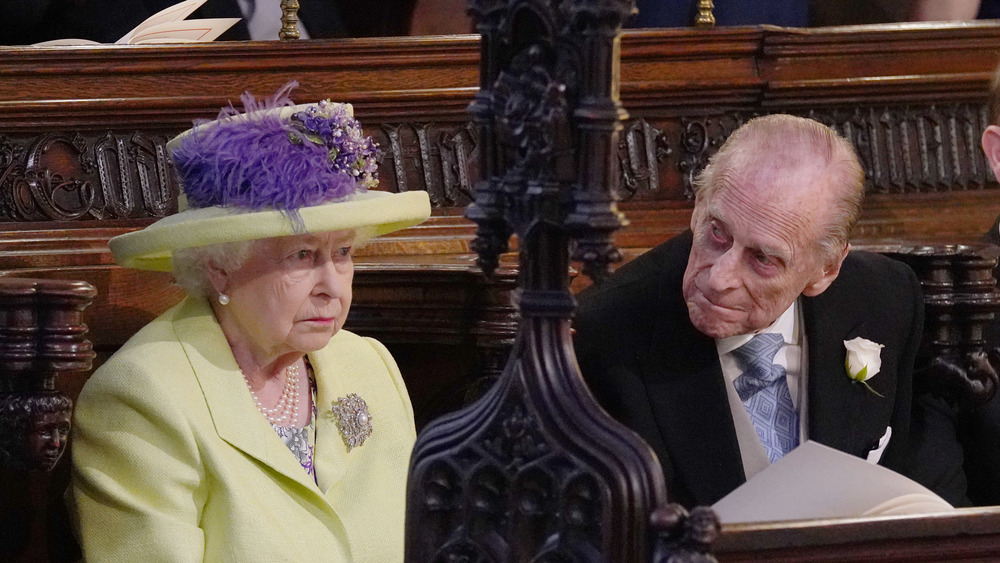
(864, 360)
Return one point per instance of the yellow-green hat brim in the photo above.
(379, 212)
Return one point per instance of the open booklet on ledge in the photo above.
(166, 26)
(816, 481)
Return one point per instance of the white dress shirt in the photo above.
(791, 356)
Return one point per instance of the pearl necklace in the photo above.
(287, 407)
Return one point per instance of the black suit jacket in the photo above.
(651, 369)
(106, 21)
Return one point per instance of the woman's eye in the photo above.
(343, 252)
(303, 254)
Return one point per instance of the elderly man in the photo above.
(725, 347)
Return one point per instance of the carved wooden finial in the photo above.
(289, 20)
(705, 18)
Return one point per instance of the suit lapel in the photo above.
(688, 399)
(330, 455)
(232, 409)
(842, 414)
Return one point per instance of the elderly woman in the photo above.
(244, 424)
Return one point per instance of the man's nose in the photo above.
(725, 272)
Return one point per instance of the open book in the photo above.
(816, 481)
(166, 26)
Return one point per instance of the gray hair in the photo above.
(771, 135)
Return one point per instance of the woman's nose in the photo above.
(332, 281)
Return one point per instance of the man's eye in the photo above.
(716, 233)
(763, 259)
(303, 254)
(343, 251)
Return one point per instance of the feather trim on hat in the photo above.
(259, 159)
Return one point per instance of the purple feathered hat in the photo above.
(275, 155)
(275, 169)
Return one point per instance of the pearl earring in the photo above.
(223, 299)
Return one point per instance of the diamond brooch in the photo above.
(353, 419)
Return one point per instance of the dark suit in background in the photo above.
(682, 13)
(652, 370)
(105, 21)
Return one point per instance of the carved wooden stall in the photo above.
(82, 132)
(536, 470)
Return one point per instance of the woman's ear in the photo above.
(217, 276)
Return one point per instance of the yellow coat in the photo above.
(173, 462)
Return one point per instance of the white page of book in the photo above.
(174, 13)
(187, 31)
(816, 481)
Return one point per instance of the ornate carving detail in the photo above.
(430, 157)
(961, 299)
(683, 537)
(41, 335)
(115, 175)
(915, 148)
(153, 173)
(535, 470)
(61, 177)
(641, 149)
(516, 440)
(509, 484)
(33, 429)
(531, 115)
(903, 149)
(43, 195)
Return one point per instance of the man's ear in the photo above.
(991, 146)
(826, 277)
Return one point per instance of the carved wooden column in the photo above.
(961, 298)
(535, 470)
(41, 335)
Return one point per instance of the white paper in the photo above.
(188, 31)
(816, 481)
(166, 26)
(170, 14)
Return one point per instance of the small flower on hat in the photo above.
(349, 151)
(863, 361)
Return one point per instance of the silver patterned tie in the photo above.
(764, 391)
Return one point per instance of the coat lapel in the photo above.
(232, 409)
(688, 398)
(842, 414)
(331, 453)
